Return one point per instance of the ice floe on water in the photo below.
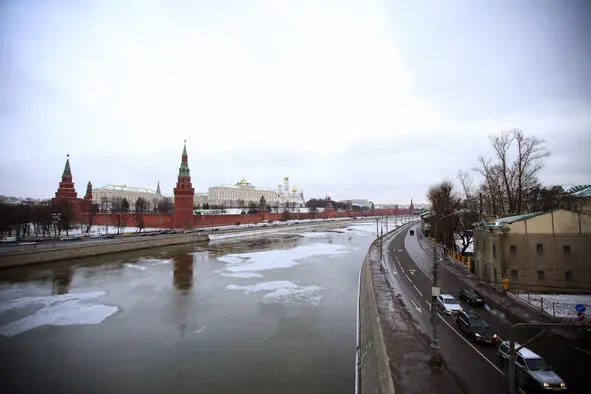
(242, 274)
(284, 291)
(281, 258)
(135, 266)
(315, 234)
(56, 310)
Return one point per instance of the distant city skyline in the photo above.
(373, 99)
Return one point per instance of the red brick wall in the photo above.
(166, 220)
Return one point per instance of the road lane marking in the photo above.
(472, 346)
(417, 289)
(412, 272)
(418, 308)
(407, 277)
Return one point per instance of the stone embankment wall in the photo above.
(90, 249)
(373, 363)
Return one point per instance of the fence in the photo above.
(551, 307)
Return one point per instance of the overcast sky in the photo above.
(354, 99)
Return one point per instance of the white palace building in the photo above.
(243, 193)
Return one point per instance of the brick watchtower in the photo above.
(66, 189)
(183, 195)
(66, 199)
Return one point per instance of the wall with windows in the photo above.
(547, 252)
(558, 262)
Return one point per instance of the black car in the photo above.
(471, 296)
(474, 326)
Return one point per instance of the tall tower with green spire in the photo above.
(66, 190)
(184, 194)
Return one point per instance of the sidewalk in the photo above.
(509, 303)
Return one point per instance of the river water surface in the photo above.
(273, 315)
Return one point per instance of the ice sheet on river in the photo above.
(281, 258)
(284, 291)
(56, 310)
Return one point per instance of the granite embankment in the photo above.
(31, 254)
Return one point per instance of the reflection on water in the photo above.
(61, 280)
(183, 271)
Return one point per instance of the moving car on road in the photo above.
(471, 296)
(475, 327)
(448, 304)
(531, 371)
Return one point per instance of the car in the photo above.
(412, 232)
(475, 327)
(8, 239)
(531, 371)
(471, 296)
(448, 304)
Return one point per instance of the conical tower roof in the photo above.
(184, 168)
(67, 171)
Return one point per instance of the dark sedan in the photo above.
(471, 296)
(474, 326)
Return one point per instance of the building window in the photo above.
(566, 251)
(539, 250)
(568, 276)
(494, 251)
(541, 277)
(514, 275)
(513, 250)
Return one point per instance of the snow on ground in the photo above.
(558, 305)
(273, 259)
(284, 291)
(56, 310)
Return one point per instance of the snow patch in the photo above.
(558, 305)
(284, 291)
(57, 310)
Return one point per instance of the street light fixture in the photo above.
(435, 355)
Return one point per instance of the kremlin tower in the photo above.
(66, 199)
(183, 195)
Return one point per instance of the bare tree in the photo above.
(444, 201)
(141, 207)
(512, 176)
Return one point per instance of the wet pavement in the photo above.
(270, 315)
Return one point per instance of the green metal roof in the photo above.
(517, 218)
(67, 171)
(576, 189)
(586, 192)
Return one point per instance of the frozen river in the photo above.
(274, 315)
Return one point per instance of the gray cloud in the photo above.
(371, 100)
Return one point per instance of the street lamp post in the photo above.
(435, 355)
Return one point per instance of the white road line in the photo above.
(472, 346)
(407, 277)
(417, 289)
(418, 308)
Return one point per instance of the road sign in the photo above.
(580, 308)
(580, 317)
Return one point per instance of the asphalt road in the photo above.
(477, 365)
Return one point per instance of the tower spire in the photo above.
(184, 168)
(67, 171)
(158, 188)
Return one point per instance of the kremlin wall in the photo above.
(183, 216)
